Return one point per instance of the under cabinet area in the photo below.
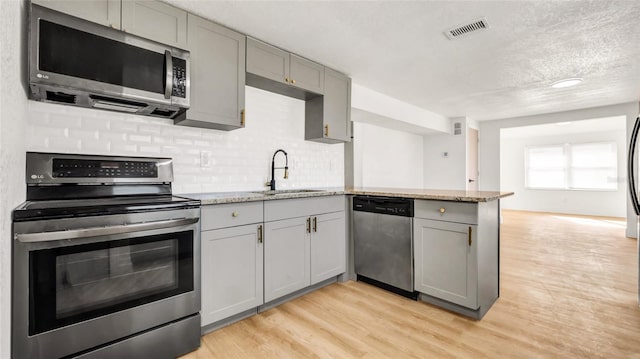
(232, 260)
(457, 254)
(217, 76)
(305, 243)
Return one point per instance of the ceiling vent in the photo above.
(466, 29)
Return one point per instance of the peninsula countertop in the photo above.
(430, 194)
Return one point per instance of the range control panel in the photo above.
(81, 168)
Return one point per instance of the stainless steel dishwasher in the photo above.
(383, 243)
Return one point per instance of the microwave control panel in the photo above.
(179, 78)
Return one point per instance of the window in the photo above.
(591, 166)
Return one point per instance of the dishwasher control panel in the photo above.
(384, 205)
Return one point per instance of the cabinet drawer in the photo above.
(231, 215)
(302, 207)
(460, 212)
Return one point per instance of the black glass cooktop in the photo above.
(51, 209)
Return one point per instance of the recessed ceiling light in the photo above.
(566, 83)
(563, 123)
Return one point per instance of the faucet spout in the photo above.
(272, 184)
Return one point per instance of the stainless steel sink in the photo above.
(288, 191)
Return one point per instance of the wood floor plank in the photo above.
(568, 290)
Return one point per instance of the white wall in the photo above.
(598, 203)
(386, 158)
(12, 114)
(240, 159)
(489, 145)
(448, 172)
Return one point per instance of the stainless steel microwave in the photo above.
(76, 62)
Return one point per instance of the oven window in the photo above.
(77, 283)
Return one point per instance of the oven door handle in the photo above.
(102, 231)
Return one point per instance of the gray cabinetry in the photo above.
(328, 246)
(328, 117)
(286, 257)
(446, 261)
(457, 254)
(155, 20)
(286, 71)
(217, 76)
(306, 249)
(232, 260)
(103, 12)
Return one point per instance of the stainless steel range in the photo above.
(106, 261)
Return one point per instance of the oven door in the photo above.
(73, 294)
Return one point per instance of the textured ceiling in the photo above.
(617, 123)
(398, 48)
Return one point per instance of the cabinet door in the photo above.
(328, 246)
(267, 61)
(217, 76)
(446, 261)
(307, 74)
(156, 21)
(103, 12)
(286, 257)
(337, 106)
(232, 272)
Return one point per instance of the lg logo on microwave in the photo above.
(37, 177)
(41, 76)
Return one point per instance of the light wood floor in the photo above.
(568, 290)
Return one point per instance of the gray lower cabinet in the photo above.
(287, 252)
(456, 254)
(232, 271)
(232, 259)
(103, 12)
(304, 243)
(217, 76)
(446, 261)
(328, 246)
(155, 20)
(328, 117)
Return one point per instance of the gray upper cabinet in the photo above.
(267, 61)
(217, 76)
(103, 12)
(156, 21)
(276, 70)
(306, 74)
(328, 117)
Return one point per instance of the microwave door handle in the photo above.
(102, 231)
(631, 171)
(168, 80)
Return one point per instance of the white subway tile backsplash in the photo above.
(238, 160)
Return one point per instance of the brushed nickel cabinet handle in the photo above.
(315, 224)
(326, 130)
(260, 234)
(242, 116)
(309, 225)
(470, 240)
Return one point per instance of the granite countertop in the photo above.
(430, 194)
(248, 196)
(416, 193)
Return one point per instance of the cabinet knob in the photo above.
(442, 210)
(286, 79)
(234, 214)
(293, 81)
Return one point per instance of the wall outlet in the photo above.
(205, 159)
(445, 154)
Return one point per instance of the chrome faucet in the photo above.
(272, 184)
